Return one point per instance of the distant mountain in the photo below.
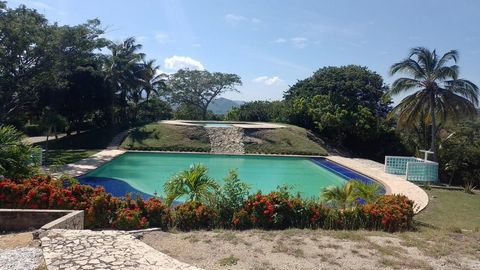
(223, 105)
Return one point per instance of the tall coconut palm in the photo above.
(124, 69)
(153, 81)
(192, 183)
(439, 93)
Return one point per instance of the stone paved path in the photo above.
(75, 250)
(226, 140)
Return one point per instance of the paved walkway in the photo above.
(83, 166)
(70, 249)
(37, 139)
(393, 183)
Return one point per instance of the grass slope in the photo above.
(449, 209)
(165, 137)
(291, 140)
(60, 157)
(91, 139)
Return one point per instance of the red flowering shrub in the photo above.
(275, 210)
(101, 210)
(193, 216)
(158, 213)
(130, 219)
(390, 213)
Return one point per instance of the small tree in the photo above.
(192, 183)
(198, 88)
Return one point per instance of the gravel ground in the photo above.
(26, 258)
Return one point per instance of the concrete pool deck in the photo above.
(393, 184)
(245, 125)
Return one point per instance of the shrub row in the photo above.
(276, 210)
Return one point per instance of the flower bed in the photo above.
(276, 210)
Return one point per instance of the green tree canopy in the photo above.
(198, 88)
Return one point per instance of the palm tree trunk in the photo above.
(433, 146)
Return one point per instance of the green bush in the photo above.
(33, 130)
(16, 157)
(230, 197)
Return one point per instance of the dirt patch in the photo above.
(16, 240)
(304, 249)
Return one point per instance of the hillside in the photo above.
(223, 105)
(291, 140)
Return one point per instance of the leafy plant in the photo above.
(192, 183)
(339, 197)
(230, 197)
(16, 157)
(469, 188)
(365, 192)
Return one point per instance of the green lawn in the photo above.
(60, 157)
(91, 139)
(449, 209)
(288, 140)
(165, 137)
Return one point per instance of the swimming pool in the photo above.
(146, 173)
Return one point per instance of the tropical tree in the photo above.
(124, 70)
(198, 88)
(192, 183)
(439, 93)
(153, 82)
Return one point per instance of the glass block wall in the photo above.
(414, 169)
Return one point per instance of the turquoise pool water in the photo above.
(147, 172)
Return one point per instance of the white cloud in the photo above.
(235, 19)
(280, 40)
(182, 62)
(162, 38)
(299, 42)
(268, 81)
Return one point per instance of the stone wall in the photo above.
(226, 140)
(30, 219)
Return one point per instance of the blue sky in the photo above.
(272, 44)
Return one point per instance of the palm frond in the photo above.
(446, 72)
(408, 66)
(403, 84)
(451, 55)
(465, 88)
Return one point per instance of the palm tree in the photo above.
(153, 81)
(369, 193)
(439, 92)
(193, 183)
(341, 197)
(124, 69)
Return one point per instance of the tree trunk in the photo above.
(433, 146)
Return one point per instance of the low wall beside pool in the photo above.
(32, 219)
